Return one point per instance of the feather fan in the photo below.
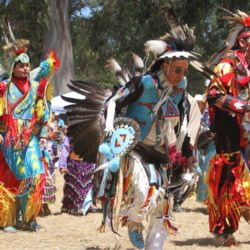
(85, 118)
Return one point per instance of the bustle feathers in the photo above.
(125, 74)
(178, 43)
(85, 117)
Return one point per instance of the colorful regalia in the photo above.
(206, 150)
(77, 190)
(133, 151)
(228, 98)
(23, 113)
(49, 187)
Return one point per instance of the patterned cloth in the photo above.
(202, 193)
(78, 183)
(49, 188)
(228, 177)
(22, 171)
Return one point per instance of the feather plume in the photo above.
(16, 48)
(241, 13)
(205, 70)
(124, 75)
(5, 37)
(138, 65)
(171, 18)
(116, 69)
(90, 88)
(226, 10)
(138, 62)
(156, 47)
(181, 38)
(48, 66)
(34, 73)
(179, 43)
(233, 34)
(127, 74)
(113, 65)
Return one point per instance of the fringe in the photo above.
(172, 230)
(78, 182)
(34, 203)
(227, 194)
(7, 207)
(49, 189)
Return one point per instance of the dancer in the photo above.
(205, 148)
(228, 98)
(23, 112)
(134, 180)
(49, 190)
(77, 190)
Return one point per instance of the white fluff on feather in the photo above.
(156, 47)
(113, 65)
(138, 62)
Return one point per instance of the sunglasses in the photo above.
(179, 71)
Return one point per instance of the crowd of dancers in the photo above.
(139, 149)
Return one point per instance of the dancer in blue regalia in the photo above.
(24, 111)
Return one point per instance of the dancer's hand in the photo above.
(109, 130)
(109, 124)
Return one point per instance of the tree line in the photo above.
(86, 33)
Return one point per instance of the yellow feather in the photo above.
(39, 109)
(2, 105)
(49, 92)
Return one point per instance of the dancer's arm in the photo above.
(122, 98)
(222, 88)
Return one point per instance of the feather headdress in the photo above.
(239, 27)
(16, 49)
(177, 43)
(178, 39)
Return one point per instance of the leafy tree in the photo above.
(29, 20)
(104, 28)
(117, 27)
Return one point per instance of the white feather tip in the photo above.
(113, 65)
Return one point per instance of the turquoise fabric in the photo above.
(141, 110)
(25, 109)
(87, 202)
(24, 163)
